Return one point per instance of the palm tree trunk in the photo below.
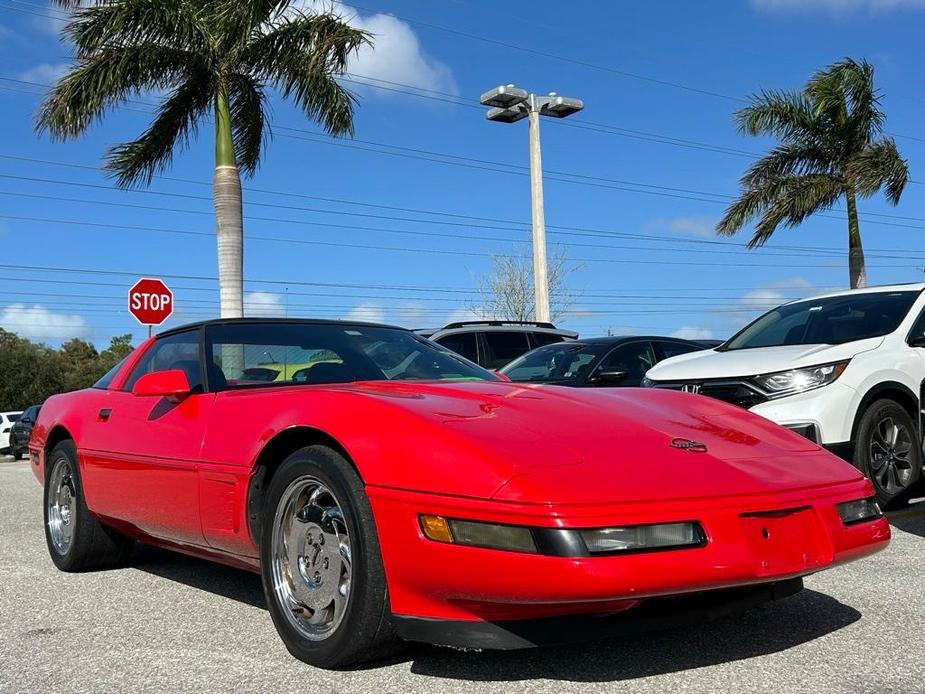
(856, 269)
(229, 225)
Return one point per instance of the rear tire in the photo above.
(320, 561)
(76, 540)
(887, 450)
(16, 453)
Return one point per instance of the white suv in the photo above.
(845, 370)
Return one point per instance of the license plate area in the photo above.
(788, 541)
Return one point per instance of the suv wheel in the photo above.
(888, 452)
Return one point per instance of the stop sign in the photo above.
(150, 301)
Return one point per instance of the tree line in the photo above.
(30, 372)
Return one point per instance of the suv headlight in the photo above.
(792, 381)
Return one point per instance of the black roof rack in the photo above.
(466, 323)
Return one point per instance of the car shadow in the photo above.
(235, 584)
(760, 631)
(768, 629)
(910, 520)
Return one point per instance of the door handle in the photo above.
(105, 414)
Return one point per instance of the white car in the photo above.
(845, 370)
(7, 420)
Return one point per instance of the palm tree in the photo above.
(203, 58)
(831, 147)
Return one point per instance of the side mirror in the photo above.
(917, 341)
(169, 383)
(608, 378)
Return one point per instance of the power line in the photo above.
(614, 294)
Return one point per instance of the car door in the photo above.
(19, 433)
(632, 358)
(141, 453)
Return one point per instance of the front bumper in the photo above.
(436, 581)
(829, 410)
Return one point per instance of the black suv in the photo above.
(22, 431)
(494, 343)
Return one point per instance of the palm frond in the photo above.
(846, 91)
(786, 115)
(785, 200)
(177, 23)
(137, 162)
(788, 160)
(301, 56)
(107, 79)
(879, 165)
(249, 125)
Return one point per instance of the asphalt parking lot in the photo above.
(170, 623)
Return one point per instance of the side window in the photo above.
(541, 339)
(673, 349)
(461, 343)
(917, 334)
(634, 359)
(107, 377)
(180, 351)
(503, 347)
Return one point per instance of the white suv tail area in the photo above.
(845, 370)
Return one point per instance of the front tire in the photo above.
(887, 451)
(76, 540)
(322, 570)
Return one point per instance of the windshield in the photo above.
(831, 321)
(562, 361)
(252, 354)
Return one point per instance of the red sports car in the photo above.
(387, 489)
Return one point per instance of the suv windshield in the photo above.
(830, 321)
(252, 354)
(563, 361)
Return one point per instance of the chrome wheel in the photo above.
(311, 558)
(891, 456)
(62, 506)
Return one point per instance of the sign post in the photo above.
(150, 301)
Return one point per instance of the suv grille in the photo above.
(739, 393)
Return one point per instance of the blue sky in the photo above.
(631, 195)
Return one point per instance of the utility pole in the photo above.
(509, 105)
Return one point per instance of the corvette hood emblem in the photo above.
(688, 445)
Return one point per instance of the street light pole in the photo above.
(540, 269)
(509, 105)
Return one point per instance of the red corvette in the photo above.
(387, 489)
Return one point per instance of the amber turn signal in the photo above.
(436, 528)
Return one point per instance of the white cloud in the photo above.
(692, 226)
(46, 73)
(396, 54)
(691, 332)
(37, 322)
(836, 6)
(412, 314)
(764, 298)
(366, 311)
(263, 305)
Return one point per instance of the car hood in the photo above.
(750, 362)
(551, 444)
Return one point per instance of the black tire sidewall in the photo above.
(872, 416)
(70, 560)
(365, 622)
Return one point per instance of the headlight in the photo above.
(647, 382)
(513, 538)
(858, 511)
(631, 538)
(783, 383)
